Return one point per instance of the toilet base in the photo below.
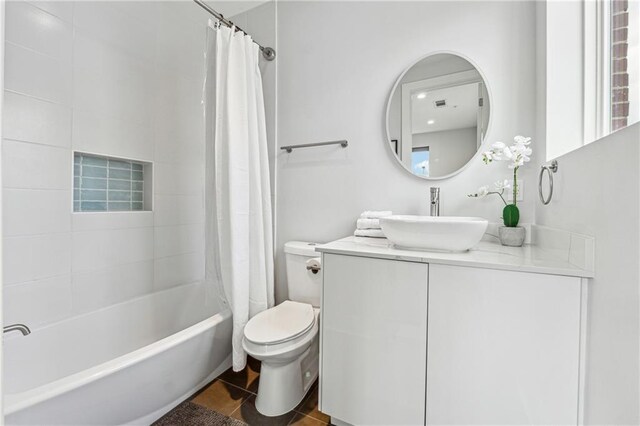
(283, 385)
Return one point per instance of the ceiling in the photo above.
(460, 111)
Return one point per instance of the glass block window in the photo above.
(107, 184)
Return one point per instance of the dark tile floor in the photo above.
(230, 400)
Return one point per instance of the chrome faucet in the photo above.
(435, 201)
(17, 327)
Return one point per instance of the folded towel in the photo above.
(372, 233)
(368, 223)
(370, 214)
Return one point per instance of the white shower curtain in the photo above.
(241, 208)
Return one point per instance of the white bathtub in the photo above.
(125, 364)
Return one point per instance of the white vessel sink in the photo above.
(443, 233)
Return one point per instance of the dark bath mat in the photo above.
(192, 414)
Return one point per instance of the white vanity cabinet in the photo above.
(407, 341)
(374, 340)
(503, 347)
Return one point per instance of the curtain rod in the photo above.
(268, 53)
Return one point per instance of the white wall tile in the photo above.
(180, 49)
(178, 209)
(109, 81)
(115, 27)
(60, 9)
(37, 303)
(183, 11)
(124, 99)
(35, 74)
(87, 221)
(96, 250)
(33, 120)
(32, 212)
(36, 257)
(145, 13)
(180, 144)
(178, 179)
(36, 29)
(27, 165)
(178, 270)
(97, 289)
(180, 127)
(181, 239)
(179, 118)
(97, 133)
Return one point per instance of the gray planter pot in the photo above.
(512, 237)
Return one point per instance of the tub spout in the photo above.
(17, 327)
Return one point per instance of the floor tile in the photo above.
(248, 413)
(302, 420)
(247, 378)
(309, 406)
(221, 397)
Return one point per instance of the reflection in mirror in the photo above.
(438, 115)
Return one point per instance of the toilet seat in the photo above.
(282, 323)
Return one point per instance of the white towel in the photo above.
(368, 224)
(371, 214)
(372, 233)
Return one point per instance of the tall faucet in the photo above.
(435, 201)
(17, 327)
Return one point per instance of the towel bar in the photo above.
(290, 148)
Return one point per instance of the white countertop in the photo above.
(529, 258)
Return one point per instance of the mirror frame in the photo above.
(393, 90)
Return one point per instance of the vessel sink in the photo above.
(441, 233)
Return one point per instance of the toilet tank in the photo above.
(304, 286)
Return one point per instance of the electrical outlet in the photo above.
(520, 195)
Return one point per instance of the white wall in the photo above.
(337, 64)
(116, 78)
(449, 150)
(596, 192)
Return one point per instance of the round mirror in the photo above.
(437, 115)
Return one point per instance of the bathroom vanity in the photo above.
(490, 336)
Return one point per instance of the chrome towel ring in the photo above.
(550, 169)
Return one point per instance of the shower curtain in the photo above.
(240, 234)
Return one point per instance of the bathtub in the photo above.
(126, 364)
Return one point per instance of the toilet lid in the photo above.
(284, 322)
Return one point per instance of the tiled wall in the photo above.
(122, 79)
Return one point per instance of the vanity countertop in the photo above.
(486, 254)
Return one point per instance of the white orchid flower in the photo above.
(501, 185)
(516, 155)
(521, 140)
(487, 157)
(508, 153)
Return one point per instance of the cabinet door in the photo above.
(373, 340)
(503, 347)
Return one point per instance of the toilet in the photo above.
(285, 338)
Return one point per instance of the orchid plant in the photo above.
(516, 155)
